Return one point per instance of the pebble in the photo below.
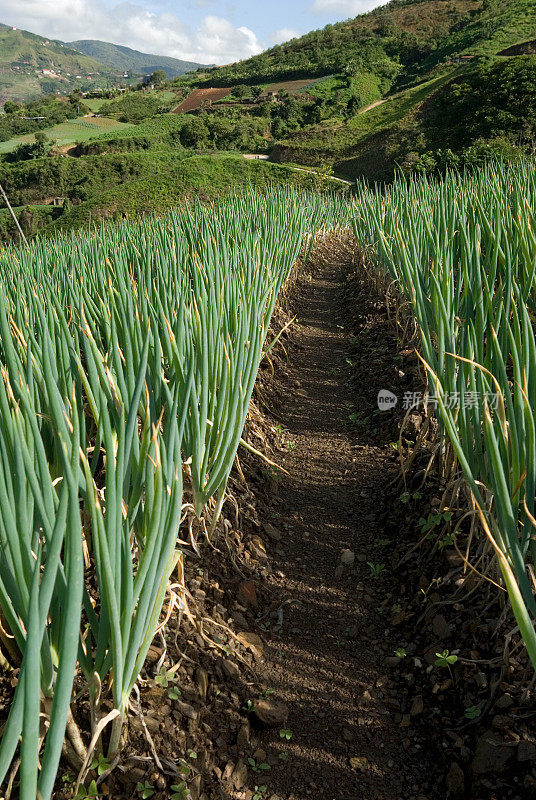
(492, 754)
(248, 594)
(526, 751)
(186, 710)
(242, 739)
(239, 775)
(505, 701)
(257, 548)
(201, 681)
(347, 558)
(455, 782)
(240, 620)
(271, 713)
(417, 706)
(230, 669)
(272, 532)
(441, 627)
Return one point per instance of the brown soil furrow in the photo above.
(199, 98)
(328, 661)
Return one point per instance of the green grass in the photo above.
(32, 207)
(85, 177)
(150, 134)
(76, 130)
(206, 176)
(143, 181)
(34, 218)
(338, 145)
(365, 86)
(165, 95)
(498, 26)
(94, 103)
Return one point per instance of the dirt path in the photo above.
(326, 177)
(328, 662)
(372, 105)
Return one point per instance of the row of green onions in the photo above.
(463, 251)
(128, 360)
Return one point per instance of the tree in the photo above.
(222, 131)
(352, 107)
(194, 132)
(27, 221)
(26, 151)
(158, 77)
(256, 91)
(279, 128)
(241, 91)
(10, 107)
(351, 68)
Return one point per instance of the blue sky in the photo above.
(207, 31)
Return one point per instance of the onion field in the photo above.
(463, 253)
(129, 357)
(128, 363)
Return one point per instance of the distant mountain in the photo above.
(128, 60)
(31, 66)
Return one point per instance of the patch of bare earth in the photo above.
(199, 98)
(329, 637)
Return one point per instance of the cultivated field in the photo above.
(200, 97)
(75, 130)
(140, 364)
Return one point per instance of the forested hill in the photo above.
(404, 36)
(399, 33)
(32, 66)
(420, 85)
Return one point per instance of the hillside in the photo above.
(402, 34)
(449, 41)
(127, 60)
(267, 419)
(32, 66)
(400, 40)
(415, 85)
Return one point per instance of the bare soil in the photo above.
(371, 106)
(327, 658)
(292, 87)
(199, 97)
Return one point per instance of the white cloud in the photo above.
(283, 35)
(346, 8)
(214, 41)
